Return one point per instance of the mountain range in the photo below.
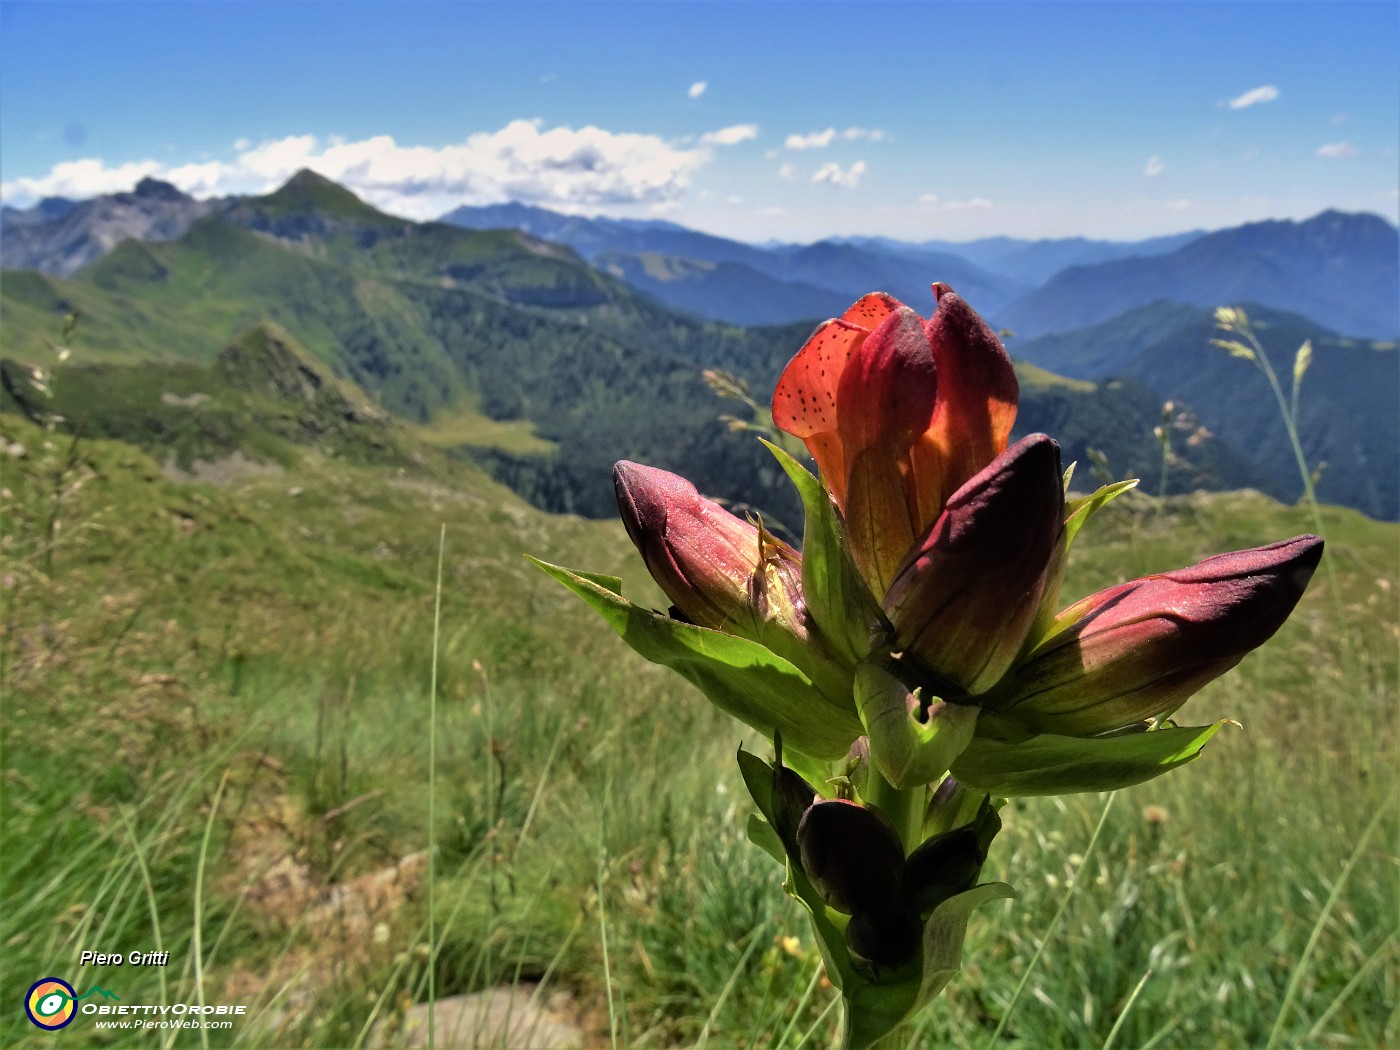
(61, 236)
(509, 346)
(1336, 268)
(1339, 269)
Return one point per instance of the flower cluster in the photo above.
(913, 658)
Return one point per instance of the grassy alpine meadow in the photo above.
(221, 682)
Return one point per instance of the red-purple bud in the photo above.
(721, 572)
(1140, 649)
(965, 597)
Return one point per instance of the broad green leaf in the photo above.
(836, 596)
(1062, 765)
(944, 933)
(909, 753)
(740, 677)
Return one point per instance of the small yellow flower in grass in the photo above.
(1155, 815)
(791, 945)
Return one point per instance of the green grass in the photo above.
(217, 710)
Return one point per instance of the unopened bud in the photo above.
(1140, 649)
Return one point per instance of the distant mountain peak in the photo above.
(310, 190)
(155, 189)
(310, 203)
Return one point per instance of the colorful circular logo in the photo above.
(50, 1004)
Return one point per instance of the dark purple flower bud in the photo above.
(852, 854)
(966, 596)
(884, 939)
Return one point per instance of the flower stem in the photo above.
(904, 809)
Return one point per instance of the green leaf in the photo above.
(909, 753)
(762, 835)
(836, 596)
(1077, 515)
(758, 778)
(1062, 765)
(740, 677)
(1079, 511)
(944, 933)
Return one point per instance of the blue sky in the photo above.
(756, 120)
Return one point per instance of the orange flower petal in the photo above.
(885, 401)
(977, 394)
(888, 392)
(804, 402)
(869, 310)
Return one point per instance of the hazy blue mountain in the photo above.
(703, 274)
(591, 237)
(46, 210)
(60, 237)
(1109, 347)
(1337, 268)
(855, 269)
(728, 291)
(1032, 262)
(1349, 409)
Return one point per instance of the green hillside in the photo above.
(424, 349)
(1349, 408)
(548, 369)
(231, 665)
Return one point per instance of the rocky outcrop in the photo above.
(60, 240)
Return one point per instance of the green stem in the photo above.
(905, 809)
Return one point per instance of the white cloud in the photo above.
(698, 88)
(731, 135)
(832, 173)
(816, 140)
(1254, 96)
(822, 139)
(787, 172)
(734, 200)
(78, 178)
(1154, 167)
(240, 144)
(560, 167)
(968, 205)
(1178, 204)
(1337, 149)
(928, 198)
